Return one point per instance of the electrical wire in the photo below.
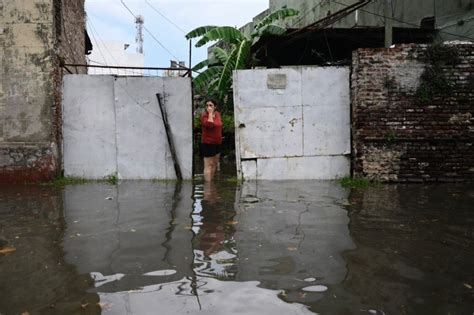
(93, 29)
(167, 19)
(152, 36)
(98, 46)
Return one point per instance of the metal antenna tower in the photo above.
(139, 20)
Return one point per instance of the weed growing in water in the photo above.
(63, 181)
(112, 179)
(357, 182)
(233, 180)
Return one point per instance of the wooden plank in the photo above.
(170, 138)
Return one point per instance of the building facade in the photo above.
(36, 37)
(114, 53)
(325, 32)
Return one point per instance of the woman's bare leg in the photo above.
(208, 168)
(216, 163)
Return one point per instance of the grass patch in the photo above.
(233, 180)
(356, 182)
(63, 181)
(112, 179)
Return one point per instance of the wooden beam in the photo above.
(164, 116)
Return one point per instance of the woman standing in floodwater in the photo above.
(211, 138)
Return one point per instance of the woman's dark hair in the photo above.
(213, 101)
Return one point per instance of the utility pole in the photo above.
(388, 23)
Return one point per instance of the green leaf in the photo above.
(271, 30)
(226, 74)
(212, 87)
(201, 65)
(242, 56)
(280, 14)
(220, 54)
(207, 76)
(227, 34)
(199, 31)
(205, 63)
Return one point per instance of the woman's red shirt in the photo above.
(211, 131)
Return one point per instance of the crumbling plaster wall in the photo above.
(398, 137)
(452, 17)
(35, 35)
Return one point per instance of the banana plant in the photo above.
(216, 79)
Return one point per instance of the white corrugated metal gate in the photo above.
(113, 125)
(292, 123)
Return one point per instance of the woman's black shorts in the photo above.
(208, 150)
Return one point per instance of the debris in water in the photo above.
(467, 285)
(7, 250)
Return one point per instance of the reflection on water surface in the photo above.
(296, 247)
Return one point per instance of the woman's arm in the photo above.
(207, 121)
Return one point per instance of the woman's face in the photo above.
(210, 105)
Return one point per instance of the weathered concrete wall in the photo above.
(114, 125)
(401, 135)
(32, 45)
(455, 16)
(292, 123)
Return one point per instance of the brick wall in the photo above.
(399, 133)
(33, 40)
(69, 17)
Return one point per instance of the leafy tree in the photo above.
(236, 54)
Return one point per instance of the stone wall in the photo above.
(35, 36)
(410, 124)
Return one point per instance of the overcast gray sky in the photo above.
(110, 20)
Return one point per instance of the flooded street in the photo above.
(290, 247)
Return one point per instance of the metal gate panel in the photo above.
(113, 125)
(89, 146)
(326, 111)
(293, 121)
(141, 139)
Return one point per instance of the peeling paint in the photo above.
(30, 91)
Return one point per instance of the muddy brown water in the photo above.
(289, 247)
